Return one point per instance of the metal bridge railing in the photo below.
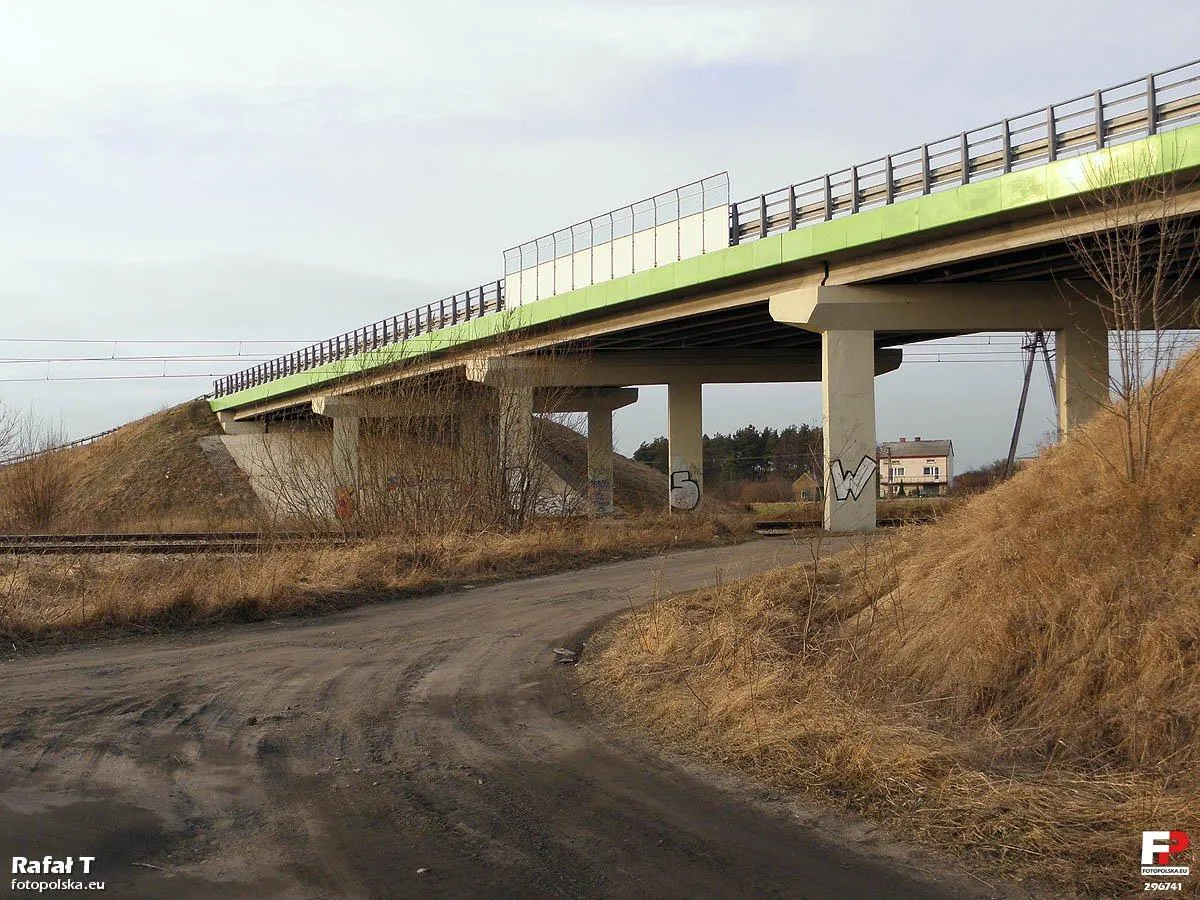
(470, 304)
(1161, 101)
(78, 442)
(1104, 118)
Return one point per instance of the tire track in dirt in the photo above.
(336, 757)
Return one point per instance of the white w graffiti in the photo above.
(847, 486)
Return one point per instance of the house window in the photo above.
(933, 471)
(897, 471)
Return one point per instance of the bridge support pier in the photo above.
(685, 441)
(600, 460)
(1082, 376)
(848, 396)
(344, 451)
(599, 404)
(515, 422)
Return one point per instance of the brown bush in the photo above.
(34, 491)
(774, 491)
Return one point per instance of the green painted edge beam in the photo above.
(1160, 154)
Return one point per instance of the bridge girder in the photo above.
(626, 367)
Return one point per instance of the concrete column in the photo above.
(1082, 376)
(685, 437)
(600, 461)
(345, 413)
(516, 445)
(848, 393)
(346, 451)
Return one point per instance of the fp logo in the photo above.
(1157, 849)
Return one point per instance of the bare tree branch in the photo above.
(1139, 263)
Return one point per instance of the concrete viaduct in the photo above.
(825, 280)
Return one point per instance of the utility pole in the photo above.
(1034, 341)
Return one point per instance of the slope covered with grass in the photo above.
(150, 475)
(153, 475)
(637, 487)
(1021, 677)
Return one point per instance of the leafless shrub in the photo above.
(777, 490)
(35, 489)
(434, 454)
(9, 432)
(1142, 258)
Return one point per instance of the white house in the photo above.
(916, 468)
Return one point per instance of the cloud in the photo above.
(217, 297)
(79, 64)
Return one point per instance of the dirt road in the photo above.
(423, 748)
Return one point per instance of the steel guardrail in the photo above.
(78, 442)
(1159, 102)
(471, 304)
(1145, 106)
(772, 528)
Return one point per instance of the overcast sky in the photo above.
(261, 170)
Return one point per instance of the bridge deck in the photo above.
(973, 204)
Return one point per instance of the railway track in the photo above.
(253, 541)
(778, 529)
(161, 542)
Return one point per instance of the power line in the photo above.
(4, 340)
(83, 378)
(24, 360)
(107, 377)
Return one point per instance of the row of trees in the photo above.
(748, 454)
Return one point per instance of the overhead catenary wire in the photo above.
(937, 359)
(110, 341)
(980, 349)
(109, 377)
(24, 360)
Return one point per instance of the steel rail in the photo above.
(791, 526)
(164, 542)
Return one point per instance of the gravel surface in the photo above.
(422, 748)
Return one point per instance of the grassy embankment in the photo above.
(155, 474)
(149, 476)
(1020, 680)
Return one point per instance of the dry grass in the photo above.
(1020, 679)
(65, 598)
(914, 508)
(149, 476)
